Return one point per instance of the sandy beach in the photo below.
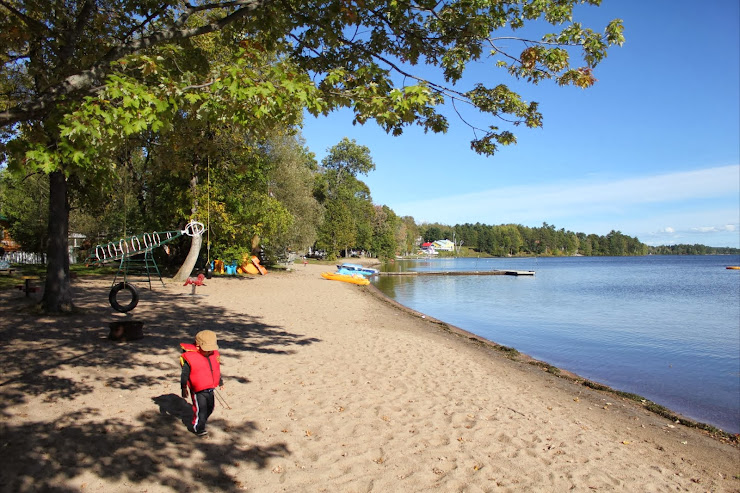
(328, 388)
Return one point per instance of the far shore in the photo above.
(329, 387)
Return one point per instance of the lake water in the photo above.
(664, 327)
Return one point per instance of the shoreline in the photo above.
(331, 388)
(725, 425)
(516, 355)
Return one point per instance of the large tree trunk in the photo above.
(187, 267)
(57, 291)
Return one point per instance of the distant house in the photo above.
(444, 245)
(428, 249)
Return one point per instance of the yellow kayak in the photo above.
(734, 267)
(354, 279)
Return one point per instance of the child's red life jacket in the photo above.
(205, 372)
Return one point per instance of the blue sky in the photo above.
(652, 150)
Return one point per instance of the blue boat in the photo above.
(349, 268)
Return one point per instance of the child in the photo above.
(201, 372)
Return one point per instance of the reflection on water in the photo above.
(664, 327)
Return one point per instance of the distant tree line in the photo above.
(683, 249)
(515, 239)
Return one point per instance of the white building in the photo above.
(444, 245)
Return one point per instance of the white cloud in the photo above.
(705, 202)
(540, 202)
(727, 228)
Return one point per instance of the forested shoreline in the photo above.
(515, 239)
(508, 240)
(683, 249)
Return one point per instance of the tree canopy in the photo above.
(349, 209)
(78, 78)
(57, 54)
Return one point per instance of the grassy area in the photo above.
(9, 281)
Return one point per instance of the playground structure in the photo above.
(125, 249)
(195, 282)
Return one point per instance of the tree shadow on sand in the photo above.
(45, 345)
(65, 357)
(43, 456)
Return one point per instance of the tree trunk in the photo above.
(57, 291)
(195, 241)
(187, 267)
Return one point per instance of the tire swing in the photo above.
(114, 293)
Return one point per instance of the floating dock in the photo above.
(462, 273)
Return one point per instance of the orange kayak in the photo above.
(354, 279)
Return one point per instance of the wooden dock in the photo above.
(462, 273)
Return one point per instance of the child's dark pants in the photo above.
(203, 403)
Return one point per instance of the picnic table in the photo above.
(26, 286)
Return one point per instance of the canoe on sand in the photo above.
(354, 279)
